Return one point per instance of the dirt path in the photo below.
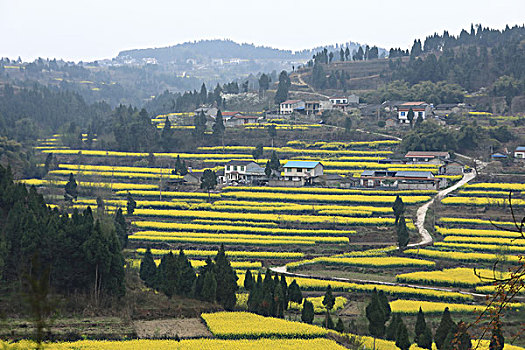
(169, 328)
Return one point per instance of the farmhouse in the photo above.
(312, 107)
(302, 172)
(451, 168)
(289, 106)
(242, 171)
(403, 180)
(519, 153)
(433, 157)
(420, 109)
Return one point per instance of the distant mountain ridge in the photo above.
(224, 49)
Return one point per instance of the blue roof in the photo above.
(301, 164)
(520, 148)
(498, 155)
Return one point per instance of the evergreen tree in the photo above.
(131, 204)
(294, 292)
(445, 326)
(264, 83)
(168, 275)
(347, 53)
(272, 132)
(258, 151)
(268, 170)
(410, 116)
(208, 181)
(279, 300)
(402, 233)
(340, 326)
(328, 322)
(148, 269)
(255, 296)
(275, 163)
(348, 124)
(178, 165)
(307, 314)
(200, 125)
(286, 296)
(392, 327)
(209, 287)
(268, 301)
(199, 282)
(282, 88)
(420, 326)
(226, 280)
(186, 275)
(425, 339)
(248, 280)
(402, 340)
(328, 299)
(71, 191)
(121, 228)
(462, 339)
(497, 340)
(399, 208)
(375, 314)
(384, 304)
(166, 137)
(218, 126)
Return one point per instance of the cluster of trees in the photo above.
(81, 252)
(335, 80)
(471, 60)
(282, 88)
(270, 296)
(216, 281)
(428, 135)
(326, 57)
(28, 113)
(435, 93)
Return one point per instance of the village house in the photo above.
(451, 168)
(519, 153)
(290, 106)
(312, 107)
(433, 157)
(242, 171)
(402, 180)
(420, 109)
(339, 102)
(302, 172)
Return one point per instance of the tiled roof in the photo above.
(290, 101)
(425, 154)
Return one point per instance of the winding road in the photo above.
(426, 239)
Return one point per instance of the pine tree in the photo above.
(268, 288)
(167, 275)
(148, 269)
(328, 322)
(329, 299)
(384, 304)
(255, 296)
(199, 282)
(258, 151)
(425, 339)
(402, 233)
(218, 127)
(248, 280)
(282, 88)
(279, 300)
(410, 116)
(131, 204)
(420, 326)
(275, 163)
(208, 181)
(307, 314)
(268, 170)
(209, 287)
(340, 326)
(392, 327)
(121, 227)
(178, 165)
(166, 137)
(445, 325)
(399, 208)
(186, 275)
(71, 191)
(200, 125)
(375, 314)
(226, 280)
(286, 296)
(402, 340)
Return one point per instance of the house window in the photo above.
(421, 114)
(235, 167)
(299, 170)
(402, 114)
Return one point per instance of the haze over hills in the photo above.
(205, 50)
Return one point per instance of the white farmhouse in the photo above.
(242, 171)
(420, 109)
(519, 153)
(302, 171)
(289, 106)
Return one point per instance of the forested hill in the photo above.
(224, 49)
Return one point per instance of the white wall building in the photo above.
(302, 171)
(289, 106)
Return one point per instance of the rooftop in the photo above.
(426, 154)
(520, 148)
(408, 173)
(239, 162)
(418, 103)
(290, 101)
(301, 164)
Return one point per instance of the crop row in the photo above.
(116, 174)
(318, 304)
(412, 307)
(231, 253)
(191, 227)
(462, 256)
(458, 277)
(476, 233)
(322, 190)
(482, 201)
(226, 325)
(101, 153)
(237, 265)
(364, 261)
(486, 240)
(118, 186)
(303, 219)
(497, 186)
(470, 221)
(504, 249)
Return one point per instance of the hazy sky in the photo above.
(95, 29)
